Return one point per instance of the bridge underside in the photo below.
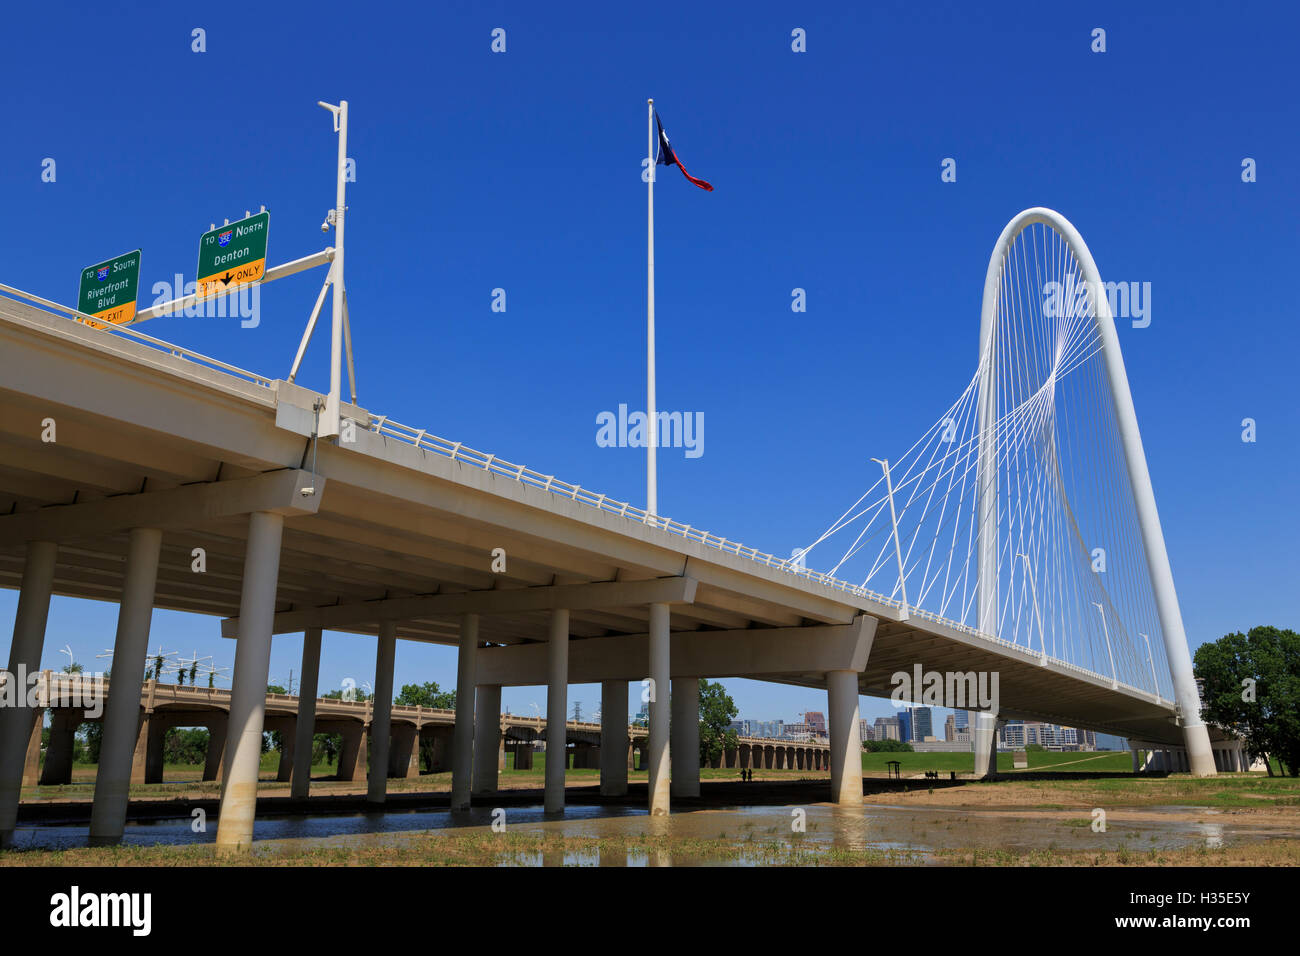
(397, 521)
(112, 450)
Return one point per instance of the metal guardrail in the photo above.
(460, 452)
(176, 351)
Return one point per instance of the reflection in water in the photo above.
(740, 836)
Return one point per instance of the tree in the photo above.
(1251, 686)
(886, 746)
(717, 710)
(94, 737)
(427, 694)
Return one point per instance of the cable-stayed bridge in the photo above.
(1017, 538)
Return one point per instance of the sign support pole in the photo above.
(330, 421)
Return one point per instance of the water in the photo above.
(746, 834)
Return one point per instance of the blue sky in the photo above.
(521, 171)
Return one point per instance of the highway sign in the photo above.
(108, 290)
(233, 255)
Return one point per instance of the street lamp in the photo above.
(1114, 682)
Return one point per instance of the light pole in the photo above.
(1114, 682)
(1155, 682)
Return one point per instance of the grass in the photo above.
(1081, 762)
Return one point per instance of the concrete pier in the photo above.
(248, 688)
(305, 728)
(615, 752)
(462, 754)
(685, 735)
(16, 722)
(846, 739)
(382, 719)
(557, 703)
(122, 709)
(487, 737)
(660, 687)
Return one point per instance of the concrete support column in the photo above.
(216, 748)
(487, 737)
(122, 709)
(615, 755)
(63, 740)
(685, 736)
(24, 658)
(557, 702)
(660, 683)
(288, 750)
(32, 765)
(352, 754)
(248, 689)
(846, 742)
(985, 737)
(305, 727)
(381, 720)
(1135, 759)
(462, 753)
(154, 739)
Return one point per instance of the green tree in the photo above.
(1251, 686)
(94, 737)
(886, 747)
(717, 711)
(427, 694)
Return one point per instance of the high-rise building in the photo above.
(950, 728)
(961, 719)
(905, 724)
(887, 728)
(922, 722)
(817, 720)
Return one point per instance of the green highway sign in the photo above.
(108, 290)
(233, 255)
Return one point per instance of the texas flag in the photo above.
(669, 158)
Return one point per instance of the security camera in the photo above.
(324, 227)
(308, 491)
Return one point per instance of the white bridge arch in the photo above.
(1026, 511)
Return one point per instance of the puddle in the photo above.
(741, 836)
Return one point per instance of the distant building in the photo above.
(950, 729)
(961, 719)
(888, 728)
(817, 720)
(922, 722)
(905, 725)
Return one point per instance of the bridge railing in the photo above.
(460, 452)
(126, 331)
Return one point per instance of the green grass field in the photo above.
(1101, 762)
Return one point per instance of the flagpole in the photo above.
(652, 418)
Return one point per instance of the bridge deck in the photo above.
(396, 519)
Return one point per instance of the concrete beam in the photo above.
(278, 492)
(754, 652)
(572, 597)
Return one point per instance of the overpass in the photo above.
(123, 454)
(164, 706)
